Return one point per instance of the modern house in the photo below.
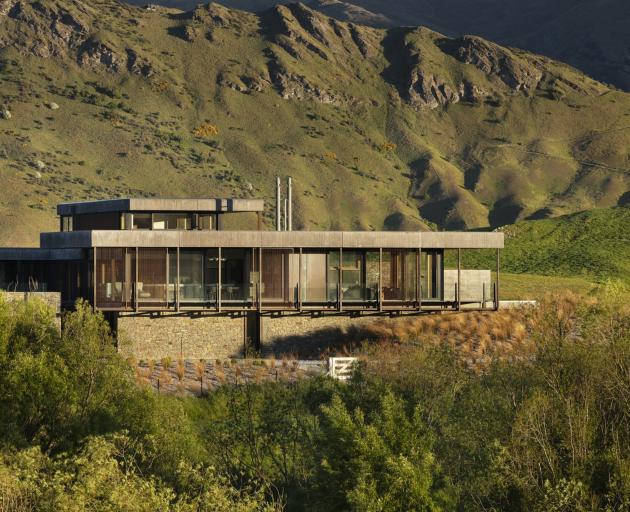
(160, 257)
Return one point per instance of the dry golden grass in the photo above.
(180, 369)
(479, 338)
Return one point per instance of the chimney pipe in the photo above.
(278, 200)
(290, 201)
(285, 225)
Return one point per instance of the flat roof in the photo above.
(276, 239)
(161, 205)
(38, 254)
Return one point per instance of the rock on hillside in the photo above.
(592, 36)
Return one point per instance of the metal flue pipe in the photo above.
(278, 201)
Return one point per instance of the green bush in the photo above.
(415, 429)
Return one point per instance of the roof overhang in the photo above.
(216, 205)
(276, 239)
(37, 254)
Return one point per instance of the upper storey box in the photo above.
(155, 214)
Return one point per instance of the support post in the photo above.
(419, 278)
(135, 283)
(496, 305)
(380, 279)
(417, 302)
(259, 295)
(177, 283)
(220, 264)
(94, 277)
(340, 283)
(459, 277)
(300, 281)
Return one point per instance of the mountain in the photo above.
(590, 35)
(399, 128)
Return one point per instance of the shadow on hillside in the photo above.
(329, 341)
(397, 73)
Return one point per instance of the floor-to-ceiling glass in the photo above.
(238, 279)
(431, 269)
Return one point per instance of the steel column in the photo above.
(459, 275)
(300, 281)
(340, 284)
(135, 284)
(220, 263)
(176, 291)
(93, 277)
(498, 281)
(380, 279)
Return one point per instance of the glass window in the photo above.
(171, 221)
(372, 273)
(66, 223)
(141, 221)
(172, 275)
(205, 222)
(353, 277)
(278, 281)
(314, 277)
(237, 279)
(152, 270)
(333, 276)
(399, 275)
(431, 267)
(115, 275)
(191, 276)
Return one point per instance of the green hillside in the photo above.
(381, 129)
(593, 244)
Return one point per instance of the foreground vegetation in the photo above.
(418, 428)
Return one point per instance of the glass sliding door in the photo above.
(431, 278)
(399, 275)
(314, 277)
(279, 276)
(152, 277)
(191, 277)
(238, 279)
(115, 276)
(372, 274)
(353, 276)
(332, 280)
(211, 276)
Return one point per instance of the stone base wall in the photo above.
(224, 337)
(53, 299)
(181, 336)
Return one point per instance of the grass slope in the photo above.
(381, 129)
(590, 246)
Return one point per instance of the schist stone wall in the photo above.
(181, 336)
(52, 299)
(224, 337)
